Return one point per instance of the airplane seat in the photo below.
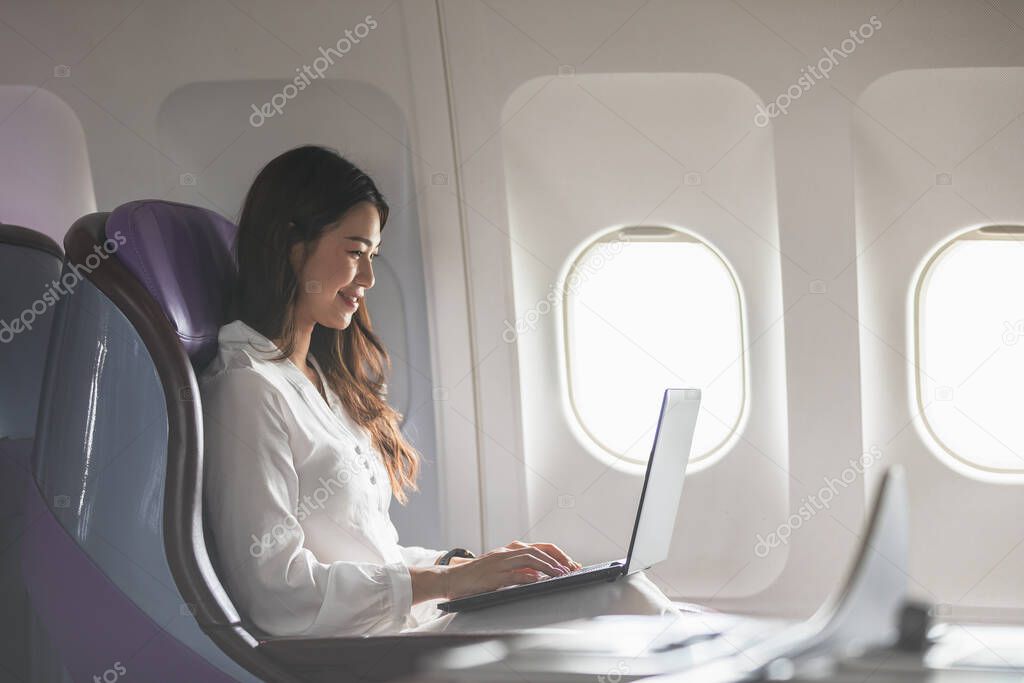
(115, 565)
(182, 257)
(29, 264)
(125, 448)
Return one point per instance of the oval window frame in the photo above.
(653, 234)
(996, 233)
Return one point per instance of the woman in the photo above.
(303, 453)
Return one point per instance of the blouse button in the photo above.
(359, 450)
(373, 479)
(366, 464)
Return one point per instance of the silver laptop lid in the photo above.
(663, 482)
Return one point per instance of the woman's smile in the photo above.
(350, 303)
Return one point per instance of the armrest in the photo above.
(378, 658)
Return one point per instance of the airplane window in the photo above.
(970, 346)
(647, 309)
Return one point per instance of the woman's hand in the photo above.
(551, 550)
(506, 566)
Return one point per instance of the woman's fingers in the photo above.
(524, 576)
(511, 565)
(559, 554)
(548, 551)
(547, 557)
(525, 559)
(556, 553)
(551, 550)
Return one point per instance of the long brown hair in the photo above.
(293, 199)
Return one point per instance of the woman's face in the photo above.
(338, 271)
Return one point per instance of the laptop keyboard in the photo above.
(582, 570)
(467, 602)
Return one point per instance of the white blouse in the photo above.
(297, 500)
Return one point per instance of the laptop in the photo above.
(861, 613)
(655, 515)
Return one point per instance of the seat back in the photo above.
(29, 269)
(122, 569)
(182, 257)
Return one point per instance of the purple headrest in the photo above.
(182, 255)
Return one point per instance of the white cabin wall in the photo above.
(690, 37)
(45, 179)
(964, 124)
(497, 48)
(573, 168)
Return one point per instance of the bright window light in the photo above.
(970, 337)
(648, 309)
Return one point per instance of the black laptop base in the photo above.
(601, 572)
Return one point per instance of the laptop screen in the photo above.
(663, 482)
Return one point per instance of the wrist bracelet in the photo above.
(454, 552)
